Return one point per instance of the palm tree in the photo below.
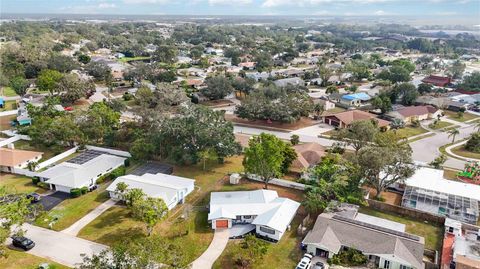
(452, 133)
(318, 109)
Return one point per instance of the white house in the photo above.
(70, 175)
(172, 189)
(265, 212)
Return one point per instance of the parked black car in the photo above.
(22, 242)
(34, 197)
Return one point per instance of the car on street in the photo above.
(22, 242)
(34, 197)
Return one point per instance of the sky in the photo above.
(450, 8)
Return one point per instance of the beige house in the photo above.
(10, 159)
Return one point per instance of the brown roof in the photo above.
(416, 110)
(308, 154)
(347, 117)
(437, 80)
(14, 157)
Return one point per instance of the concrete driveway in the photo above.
(214, 250)
(59, 247)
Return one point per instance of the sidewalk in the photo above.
(75, 228)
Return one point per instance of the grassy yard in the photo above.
(28, 145)
(454, 116)
(284, 254)
(129, 59)
(433, 234)
(8, 92)
(21, 260)
(9, 105)
(18, 183)
(71, 210)
(409, 131)
(194, 233)
(461, 151)
(335, 110)
(440, 125)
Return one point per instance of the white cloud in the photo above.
(96, 8)
(106, 5)
(446, 13)
(145, 1)
(275, 3)
(381, 13)
(229, 2)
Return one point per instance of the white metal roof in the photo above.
(159, 185)
(432, 179)
(78, 175)
(269, 209)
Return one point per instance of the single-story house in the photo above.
(438, 81)
(327, 104)
(247, 65)
(257, 75)
(456, 106)
(68, 175)
(427, 190)
(344, 119)
(384, 243)
(308, 155)
(412, 113)
(460, 247)
(264, 212)
(289, 81)
(15, 158)
(355, 99)
(172, 189)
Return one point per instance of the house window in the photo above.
(267, 230)
(404, 267)
(386, 264)
(247, 217)
(238, 218)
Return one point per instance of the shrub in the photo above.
(120, 171)
(75, 192)
(35, 180)
(127, 96)
(101, 179)
(349, 257)
(473, 143)
(84, 190)
(127, 162)
(43, 185)
(294, 139)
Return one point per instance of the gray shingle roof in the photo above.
(331, 233)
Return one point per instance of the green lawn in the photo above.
(22, 260)
(48, 152)
(335, 110)
(193, 233)
(8, 92)
(454, 116)
(284, 254)
(71, 210)
(9, 105)
(440, 125)
(461, 151)
(128, 59)
(18, 183)
(432, 233)
(409, 131)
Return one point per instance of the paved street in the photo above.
(60, 247)
(425, 150)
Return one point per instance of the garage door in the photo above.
(221, 223)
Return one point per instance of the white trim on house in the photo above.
(263, 208)
(172, 189)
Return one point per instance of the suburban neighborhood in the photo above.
(269, 141)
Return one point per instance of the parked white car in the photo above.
(305, 262)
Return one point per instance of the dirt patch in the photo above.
(217, 103)
(302, 123)
(390, 197)
(5, 122)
